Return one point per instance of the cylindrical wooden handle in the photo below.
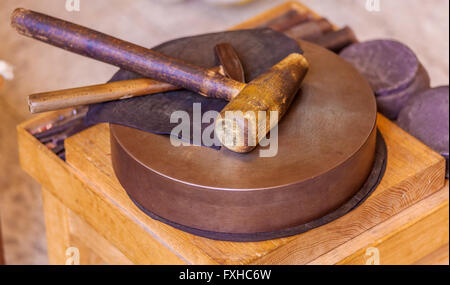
(54, 100)
(60, 99)
(126, 55)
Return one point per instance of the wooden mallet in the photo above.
(271, 91)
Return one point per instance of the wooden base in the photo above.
(2, 257)
(404, 221)
(409, 204)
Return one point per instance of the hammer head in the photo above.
(250, 115)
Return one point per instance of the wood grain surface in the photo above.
(403, 239)
(57, 228)
(2, 256)
(438, 257)
(90, 189)
(24, 236)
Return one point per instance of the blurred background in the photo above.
(422, 25)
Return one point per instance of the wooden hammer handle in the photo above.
(73, 97)
(54, 100)
(126, 55)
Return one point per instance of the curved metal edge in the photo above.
(373, 180)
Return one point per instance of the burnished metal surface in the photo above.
(372, 182)
(326, 150)
(230, 61)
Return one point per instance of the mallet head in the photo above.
(246, 120)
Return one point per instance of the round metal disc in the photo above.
(326, 147)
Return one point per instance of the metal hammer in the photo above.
(230, 66)
(271, 91)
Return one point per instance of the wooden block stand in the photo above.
(405, 221)
(2, 258)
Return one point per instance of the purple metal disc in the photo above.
(391, 105)
(426, 116)
(389, 66)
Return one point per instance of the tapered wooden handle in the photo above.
(60, 99)
(123, 54)
(54, 100)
